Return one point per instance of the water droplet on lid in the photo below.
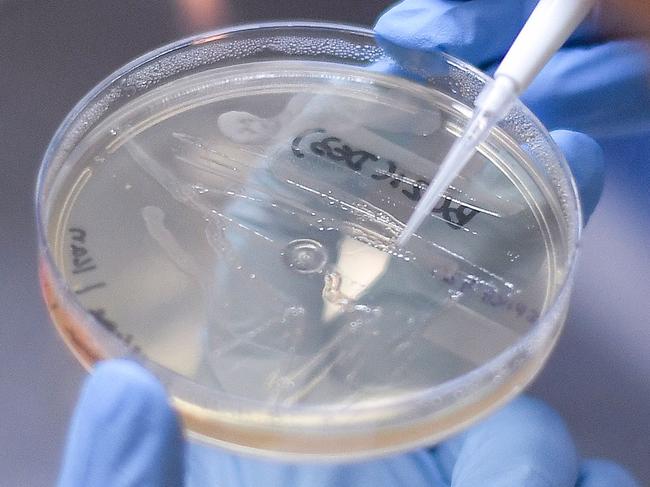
(294, 311)
(285, 383)
(305, 256)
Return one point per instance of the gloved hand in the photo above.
(592, 85)
(601, 88)
(124, 434)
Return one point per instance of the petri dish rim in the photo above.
(536, 343)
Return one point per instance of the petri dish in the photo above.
(223, 211)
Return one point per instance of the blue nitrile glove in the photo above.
(125, 434)
(592, 86)
(600, 88)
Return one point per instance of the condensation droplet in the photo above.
(305, 256)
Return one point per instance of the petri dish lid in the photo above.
(223, 211)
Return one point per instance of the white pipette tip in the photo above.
(493, 102)
(547, 28)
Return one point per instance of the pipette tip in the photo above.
(493, 102)
(403, 239)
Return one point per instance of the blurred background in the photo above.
(52, 53)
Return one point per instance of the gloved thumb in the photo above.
(586, 160)
(124, 432)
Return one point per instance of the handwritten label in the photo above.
(490, 295)
(100, 316)
(81, 260)
(456, 214)
(84, 263)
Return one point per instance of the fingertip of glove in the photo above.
(429, 29)
(123, 387)
(537, 428)
(534, 439)
(586, 160)
(601, 473)
(536, 412)
(124, 431)
(122, 375)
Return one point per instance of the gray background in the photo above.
(52, 53)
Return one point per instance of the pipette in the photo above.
(548, 27)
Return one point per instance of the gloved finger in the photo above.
(602, 90)
(477, 31)
(123, 433)
(585, 158)
(603, 473)
(211, 466)
(525, 443)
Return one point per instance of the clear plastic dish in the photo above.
(223, 211)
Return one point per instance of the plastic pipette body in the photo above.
(547, 28)
(492, 104)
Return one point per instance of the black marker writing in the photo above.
(90, 288)
(336, 150)
(82, 261)
(490, 295)
(100, 316)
